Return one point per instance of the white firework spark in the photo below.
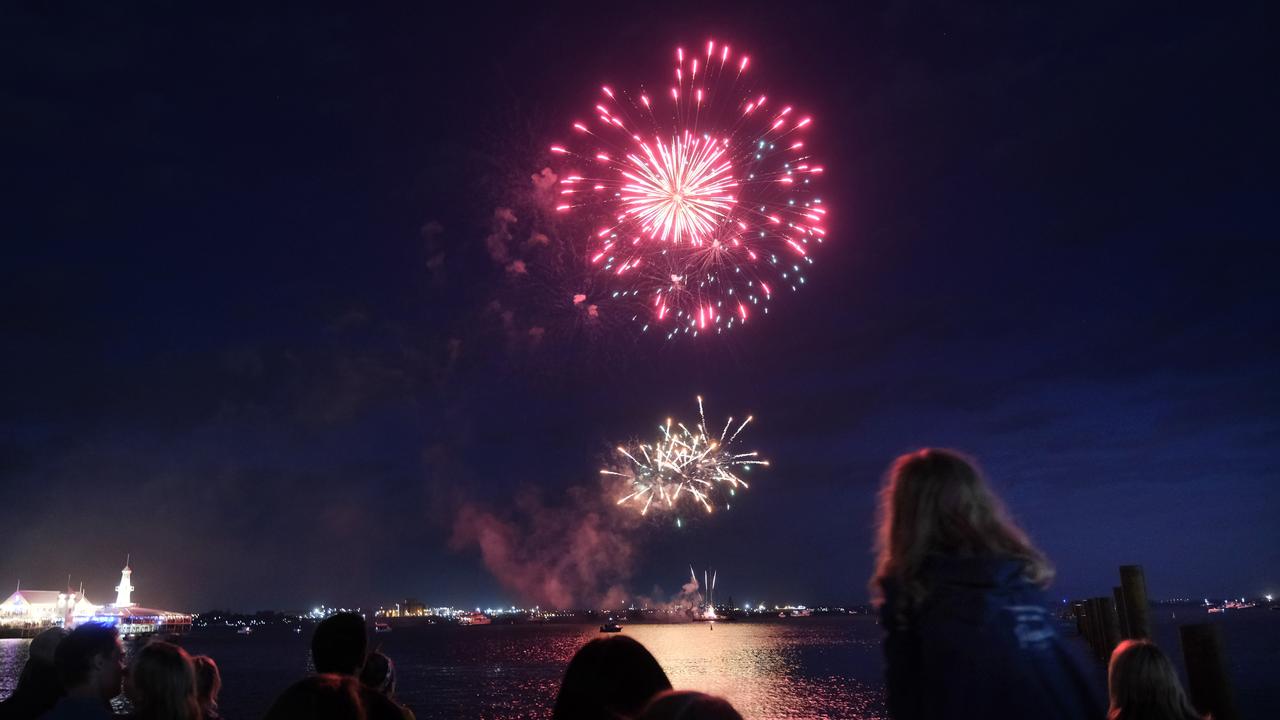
(684, 466)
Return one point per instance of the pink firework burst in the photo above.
(701, 200)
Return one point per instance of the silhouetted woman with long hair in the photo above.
(960, 589)
(208, 685)
(1144, 685)
(162, 684)
(608, 679)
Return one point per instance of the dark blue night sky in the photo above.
(253, 336)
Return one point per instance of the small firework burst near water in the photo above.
(701, 200)
(684, 466)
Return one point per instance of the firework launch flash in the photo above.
(700, 197)
(684, 466)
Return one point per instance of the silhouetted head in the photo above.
(379, 673)
(90, 660)
(607, 678)
(339, 644)
(688, 705)
(162, 683)
(38, 687)
(1144, 685)
(319, 697)
(208, 683)
(936, 502)
(44, 645)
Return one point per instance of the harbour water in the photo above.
(800, 668)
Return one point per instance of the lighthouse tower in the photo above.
(125, 587)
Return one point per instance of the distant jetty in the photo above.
(27, 612)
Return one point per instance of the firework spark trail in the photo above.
(700, 197)
(683, 462)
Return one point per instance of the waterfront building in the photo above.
(35, 610)
(27, 612)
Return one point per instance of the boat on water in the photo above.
(474, 619)
(244, 630)
(795, 612)
(610, 627)
(381, 627)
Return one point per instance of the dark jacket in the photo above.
(983, 644)
(379, 707)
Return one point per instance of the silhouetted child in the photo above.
(338, 647)
(90, 663)
(688, 705)
(379, 675)
(319, 697)
(38, 688)
(608, 678)
(970, 634)
(1144, 685)
(208, 685)
(161, 683)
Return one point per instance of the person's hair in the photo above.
(609, 677)
(936, 502)
(44, 645)
(319, 697)
(208, 682)
(339, 644)
(688, 705)
(75, 654)
(1144, 685)
(38, 689)
(163, 682)
(379, 673)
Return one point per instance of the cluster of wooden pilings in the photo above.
(1105, 621)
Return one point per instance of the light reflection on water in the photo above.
(13, 655)
(807, 668)
(801, 668)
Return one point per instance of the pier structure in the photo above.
(26, 612)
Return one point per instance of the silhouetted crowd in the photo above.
(960, 588)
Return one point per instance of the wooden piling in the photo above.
(1206, 660)
(1136, 610)
(1097, 631)
(1110, 625)
(1117, 592)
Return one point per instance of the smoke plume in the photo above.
(578, 555)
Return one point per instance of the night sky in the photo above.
(255, 336)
